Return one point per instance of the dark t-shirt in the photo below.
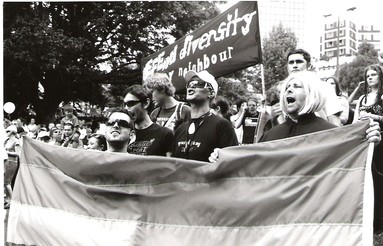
(161, 116)
(154, 140)
(249, 123)
(213, 132)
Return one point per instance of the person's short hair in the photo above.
(272, 95)
(306, 55)
(141, 92)
(315, 97)
(338, 90)
(253, 99)
(239, 102)
(222, 103)
(100, 139)
(160, 82)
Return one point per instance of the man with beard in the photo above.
(169, 112)
(248, 119)
(150, 138)
(197, 138)
(118, 129)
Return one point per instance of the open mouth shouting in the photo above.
(290, 100)
(190, 91)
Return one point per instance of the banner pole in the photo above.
(263, 82)
(368, 200)
(261, 118)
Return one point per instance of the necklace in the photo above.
(192, 130)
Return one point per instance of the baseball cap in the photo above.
(43, 134)
(12, 128)
(68, 107)
(205, 76)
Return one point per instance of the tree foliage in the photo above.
(350, 74)
(275, 48)
(66, 46)
(235, 86)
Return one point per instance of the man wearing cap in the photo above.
(43, 136)
(118, 132)
(198, 137)
(69, 117)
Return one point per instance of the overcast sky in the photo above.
(368, 11)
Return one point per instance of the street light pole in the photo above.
(338, 40)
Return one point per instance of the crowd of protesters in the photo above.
(197, 128)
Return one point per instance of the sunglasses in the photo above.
(198, 84)
(120, 123)
(131, 103)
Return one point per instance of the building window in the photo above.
(329, 35)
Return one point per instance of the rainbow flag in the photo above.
(314, 189)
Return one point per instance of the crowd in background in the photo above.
(153, 122)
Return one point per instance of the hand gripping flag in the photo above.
(314, 189)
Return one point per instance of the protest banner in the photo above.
(314, 189)
(228, 43)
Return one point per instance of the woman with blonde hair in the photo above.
(300, 98)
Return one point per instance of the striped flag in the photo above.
(314, 189)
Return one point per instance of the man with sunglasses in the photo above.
(118, 129)
(150, 138)
(198, 137)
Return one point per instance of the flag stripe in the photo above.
(81, 230)
(261, 160)
(215, 201)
